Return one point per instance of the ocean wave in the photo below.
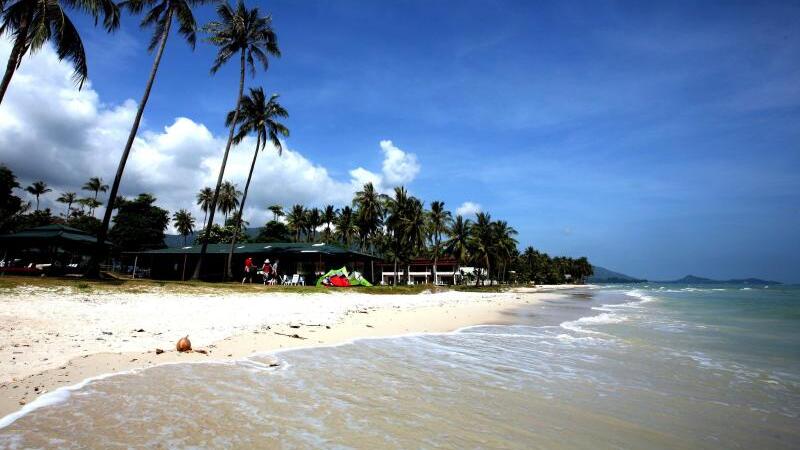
(600, 319)
(643, 297)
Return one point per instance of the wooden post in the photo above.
(135, 262)
(183, 275)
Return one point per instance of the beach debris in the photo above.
(159, 351)
(140, 330)
(184, 344)
(107, 333)
(294, 326)
(370, 326)
(296, 336)
(205, 352)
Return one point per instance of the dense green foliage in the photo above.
(139, 224)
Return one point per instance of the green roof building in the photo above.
(309, 260)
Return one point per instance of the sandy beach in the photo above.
(54, 337)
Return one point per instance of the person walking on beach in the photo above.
(248, 270)
(267, 270)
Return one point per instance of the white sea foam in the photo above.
(643, 298)
(600, 319)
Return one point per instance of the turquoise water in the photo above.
(641, 366)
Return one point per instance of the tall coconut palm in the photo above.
(33, 23)
(159, 15)
(277, 211)
(95, 185)
(68, 198)
(259, 116)
(90, 203)
(397, 208)
(204, 201)
(458, 244)
(346, 229)
(296, 220)
(313, 221)
(370, 211)
(505, 245)
(184, 223)
(38, 188)
(228, 199)
(244, 32)
(438, 218)
(483, 241)
(328, 217)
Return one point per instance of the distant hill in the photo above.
(692, 279)
(603, 275)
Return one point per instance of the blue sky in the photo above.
(656, 139)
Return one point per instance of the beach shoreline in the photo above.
(54, 338)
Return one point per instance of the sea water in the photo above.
(643, 366)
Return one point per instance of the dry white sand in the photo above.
(53, 337)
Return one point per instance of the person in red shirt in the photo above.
(267, 269)
(248, 270)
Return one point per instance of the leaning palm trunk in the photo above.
(94, 263)
(14, 58)
(241, 209)
(199, 267)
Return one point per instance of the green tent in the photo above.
(355, 278)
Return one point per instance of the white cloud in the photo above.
(468, 209)
(51, 131)
(399, 167)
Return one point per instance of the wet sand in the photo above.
(54, 338)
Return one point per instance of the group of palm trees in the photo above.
(399, 228)
(94, 185)
(239, 33)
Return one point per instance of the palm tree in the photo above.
(504, 245)
(458, 243)
(68, 198)
(313, 221)
(277, 211)
(95, 185)
(397, 208)
(483, 241)
(38, 188)
(32, 23)
(228, 199)
(184, 223)
(328, 216)
(204, 201)
(90, 203)
(244, 32)
(346, 228)
(256, 115)
(296, 220)
(159, 16)
(370, 210)
(438, 218)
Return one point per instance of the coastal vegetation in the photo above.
(395, 225)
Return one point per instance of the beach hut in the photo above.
(52, 249)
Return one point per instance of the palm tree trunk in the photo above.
(17, 52)
(199, 267)
(94, 262)
(241, 209)
(435, 262)
(394, 283)
(37, 202)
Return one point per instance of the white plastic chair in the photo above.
(295, 280)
